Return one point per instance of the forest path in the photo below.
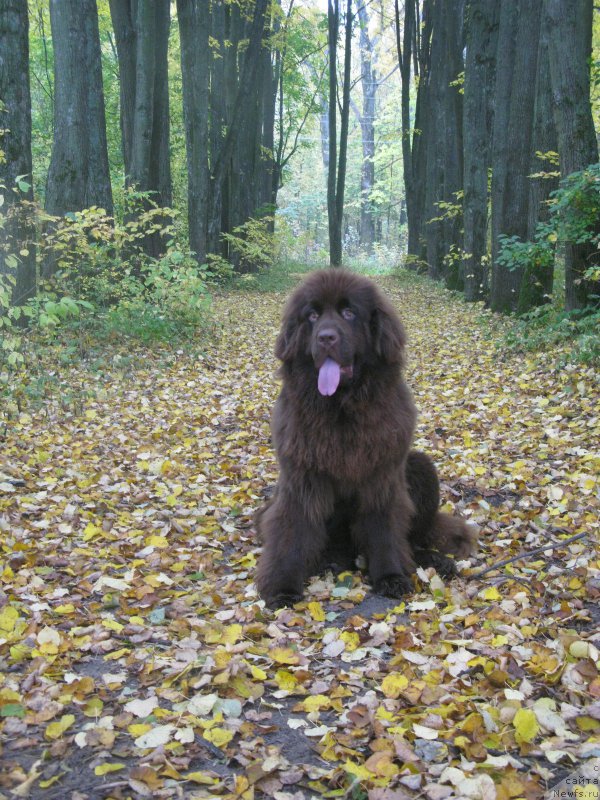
(135, 653)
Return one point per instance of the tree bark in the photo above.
(336, 178)
(410, 137)
(240, 106)
(78, 176)
(367, 129)
(194, 21)
(420, 33)
(537, 282)
(142, 36)
(570, 41)
(15, 139)
(444, 140)
(481, 21)
(520, 25)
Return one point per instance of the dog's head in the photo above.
(338, 324)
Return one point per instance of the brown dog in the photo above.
(342, 427)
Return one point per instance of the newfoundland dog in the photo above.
(342, 427)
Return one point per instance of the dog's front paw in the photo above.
(444, 566)
(282, 599)
(393, 585)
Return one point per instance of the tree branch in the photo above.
(529, 554)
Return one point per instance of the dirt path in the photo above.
(136, 659)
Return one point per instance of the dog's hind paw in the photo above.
(393, 585)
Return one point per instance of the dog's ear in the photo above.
(286, 344)
(389, 338)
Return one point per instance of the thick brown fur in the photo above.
(349, 482)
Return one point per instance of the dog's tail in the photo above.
(453, 536)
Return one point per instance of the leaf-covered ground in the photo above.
(137, 661)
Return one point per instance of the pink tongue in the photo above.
(329, 377)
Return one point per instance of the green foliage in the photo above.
(102, 288)
(49, 311)
(576, 213)
(516, 254)
(171, 302)
(449, 210)
(253, 244)
(546, 326)
(574, 216)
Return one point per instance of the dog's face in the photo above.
(336, 323)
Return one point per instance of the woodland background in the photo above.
(209, 138)
(168, 171)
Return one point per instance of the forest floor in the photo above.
(136, 659)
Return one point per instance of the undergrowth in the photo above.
(577, 333)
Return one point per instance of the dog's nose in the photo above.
(328, 337)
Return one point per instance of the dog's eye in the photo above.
(348, 314)
(313, 316)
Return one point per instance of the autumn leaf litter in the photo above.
(136, 659)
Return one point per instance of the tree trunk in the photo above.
(421, 36)
(367, 128)
(335, 225)
(444, 140)
(194, 22)
(218, 113)
(336, 178)
(570, 39)
(142, 36)
(512, 146)
(78, 176)
(230, 191)
(536, 286)
(15, 140)
(481, 39)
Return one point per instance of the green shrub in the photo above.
(576, 332)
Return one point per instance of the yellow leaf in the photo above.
(232, 634)
(112, 625)
(286, 680)
(8, 619)
(104, 769)
(91, 414)
(526, 725)
(200, 777)
(587, 724)
(67, 608)
(257, 673)
(50, 781)
(138, 728)
(315, 702)
(316, 611)
(243, 789)
(93, 708)
(90, 531)
(218, 736)
(56, 729)
(19, 652)
(393, 684)
(284, 655)
(360, 772)
(116, 654)
(156, 541)
(352, 640)
(491, 594)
